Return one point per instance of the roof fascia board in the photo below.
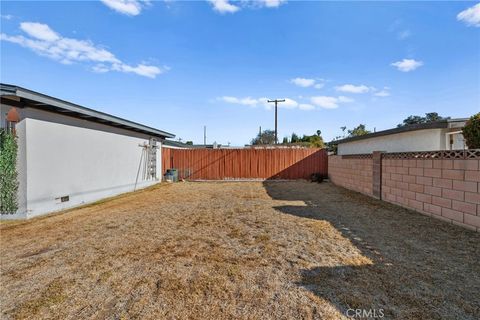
(35, 96)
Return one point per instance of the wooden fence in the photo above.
(235, 164)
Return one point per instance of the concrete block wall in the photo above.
(354, 174)
(447, 189)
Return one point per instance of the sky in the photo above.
(181, 65)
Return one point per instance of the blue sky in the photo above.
(179, 65)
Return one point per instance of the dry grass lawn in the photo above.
(250, 250)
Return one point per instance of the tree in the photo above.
(189, 143)
(429, 117)
(313, 141)
(265, 137)
(471, 132)
(360, 130)
(332, 146)
(412, 120)
(295, 138)
(433, 116)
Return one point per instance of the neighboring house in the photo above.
(69, 155)
(175, 144)
(439, 135)
(180, 145)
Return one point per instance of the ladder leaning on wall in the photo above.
(152, 158)
(148, 167)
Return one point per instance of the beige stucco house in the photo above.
(433, 136)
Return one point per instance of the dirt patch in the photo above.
(238, 250)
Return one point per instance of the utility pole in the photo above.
(204, 135)
(276, 102)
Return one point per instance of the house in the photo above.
(180, 145)
(175, 144)
(69, 155)
(432, 136)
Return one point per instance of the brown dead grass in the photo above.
(247, 250)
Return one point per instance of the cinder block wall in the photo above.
(354, 174)
(446, 189)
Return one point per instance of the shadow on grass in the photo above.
(422, 268)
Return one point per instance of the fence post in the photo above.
(377, 174)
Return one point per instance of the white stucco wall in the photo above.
(21, 132)
(64, 156)
(419, 140)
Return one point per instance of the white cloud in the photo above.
(288, 104)
(263, 102)
(243, 101)
(228, 6)
(404, 34)
(39, 30)
(385, 92)
(407, 65)
(127, 7)
(303, 82)
(307, 82)
(305, 106)
(100, 68)
(350, 88)
(6, 16)
(272, 3)
(345, 99)
(140, 69)
(327, 102)
(223, 6)
(470, 16)
(324, 102)
(46, 42)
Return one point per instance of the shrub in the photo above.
(8, 172)
(471, 132)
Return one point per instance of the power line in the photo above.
(276, 102)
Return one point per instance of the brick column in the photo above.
(377, 174)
